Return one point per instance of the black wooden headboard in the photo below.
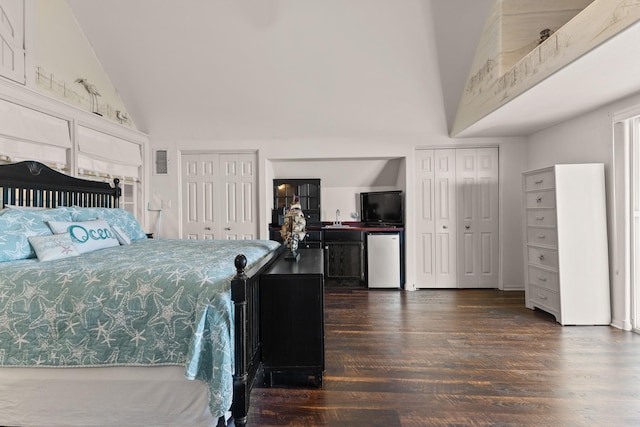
(31, 183)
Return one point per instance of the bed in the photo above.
(112, 336)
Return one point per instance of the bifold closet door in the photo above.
(436, 248)
(477, 202)
(457, 218)
(219, 199)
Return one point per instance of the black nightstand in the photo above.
(292, 320)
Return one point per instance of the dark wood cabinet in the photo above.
(308, 190)
(292, 319)
(344, 257)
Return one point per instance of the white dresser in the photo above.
(565, 234)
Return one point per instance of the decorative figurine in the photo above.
(544, 34)
(93, 94)
(293, 229)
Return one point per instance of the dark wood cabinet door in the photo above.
(308, 191)
(344, 260)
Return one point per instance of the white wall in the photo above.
(587, 139)
(512, 164)
(56, 43)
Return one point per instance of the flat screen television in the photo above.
(382, 208)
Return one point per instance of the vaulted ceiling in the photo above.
(272, 69)
(285, 68)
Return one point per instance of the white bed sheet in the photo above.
(105, 397)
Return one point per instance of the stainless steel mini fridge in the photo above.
(383, 260)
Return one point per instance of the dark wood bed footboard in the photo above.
(245, 293)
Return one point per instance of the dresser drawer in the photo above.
(540, 180)
(544, 279)
(541, 199)
(544, 297)
(542, 236)
(545, 217)
(543, 256)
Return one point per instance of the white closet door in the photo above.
(200, 196)
(445, 218)
(436, 248)
(477, 194)
(238, 180)
(219, 196)
(425, 221)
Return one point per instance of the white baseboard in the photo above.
(625, 325)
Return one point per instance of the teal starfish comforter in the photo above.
(154, 302)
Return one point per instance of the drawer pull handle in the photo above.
(540, 218)
(542, 279)
(539, 200)
(542, 296)
(539, 181)
(540, 257)
(541, 236)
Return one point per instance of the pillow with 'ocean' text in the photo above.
(87, 236)
(114, 216)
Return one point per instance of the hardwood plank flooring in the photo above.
(459, 358)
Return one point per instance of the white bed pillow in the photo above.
(121, 235)
(54, 246)
(87, 236)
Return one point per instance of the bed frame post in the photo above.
(240, 293)
(117, 192)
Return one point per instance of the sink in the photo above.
(337, 226)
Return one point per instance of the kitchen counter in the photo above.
(356, 226)
(345, 249)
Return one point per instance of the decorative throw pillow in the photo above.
(114, 216)
(55, 246)
(121, 235)
(17, 225)
(87, 236)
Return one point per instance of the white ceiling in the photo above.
(268, 69)
(243, 69)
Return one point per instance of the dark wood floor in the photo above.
(459, 358)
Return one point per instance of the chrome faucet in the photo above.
(337, 217)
